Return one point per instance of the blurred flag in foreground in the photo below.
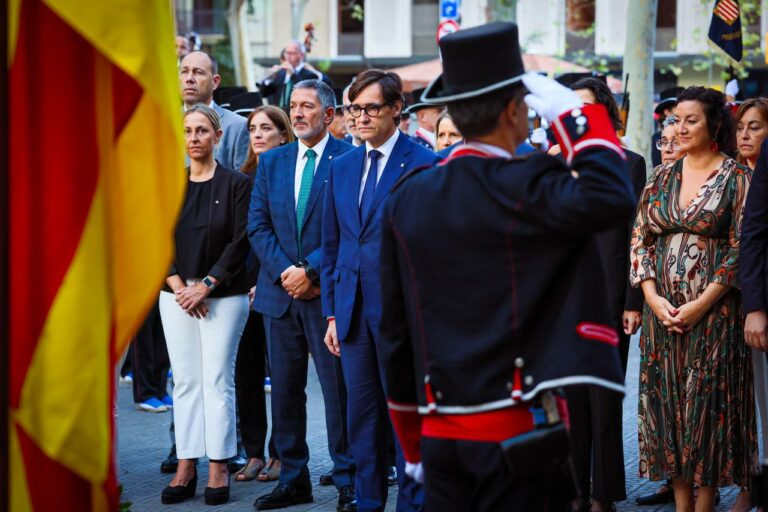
(725, 30)
(95, 185)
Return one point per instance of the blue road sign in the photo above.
(449, 9)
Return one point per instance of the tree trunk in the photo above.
(638, 66)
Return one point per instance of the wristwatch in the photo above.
(311, 272)
(208, 282)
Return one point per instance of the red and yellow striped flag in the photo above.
(95, 184)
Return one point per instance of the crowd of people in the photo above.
(467, 293)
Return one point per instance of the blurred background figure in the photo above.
(447, 133)
(182, 46)
(268, 128)
(352, 136)
(338, 127)
(426, 116)
(662, 111)
(277, 87)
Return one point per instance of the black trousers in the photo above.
(596, 442)
(249, 388)
(149, 359)
(473, 476)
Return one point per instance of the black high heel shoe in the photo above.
(179, 493)
(217, 495)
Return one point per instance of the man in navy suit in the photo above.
(358, 184)
(754, 255)
(284, 229)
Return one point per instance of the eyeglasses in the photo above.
(371, 109)
(661, 144)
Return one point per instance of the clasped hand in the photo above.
(190, 299)
(296, 283)
(678, 320)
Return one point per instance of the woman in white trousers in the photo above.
(204, 307)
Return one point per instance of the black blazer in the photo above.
(753, 257)
(273, 91)
(488, 263)
(613, 245)
(227, 239)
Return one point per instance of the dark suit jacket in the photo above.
(753, 257)
(351, 249)
(487, 262)
(227, 241)
(274, 88)
(272, 220)
(613, 245)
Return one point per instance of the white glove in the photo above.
(549, 98)
(539, 136)
(732, 88)
(415, 471)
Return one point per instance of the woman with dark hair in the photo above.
(597, 446)
(269, 127)
(696, 411)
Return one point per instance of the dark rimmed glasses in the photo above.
(371, 109)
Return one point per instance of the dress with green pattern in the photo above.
(696, 412)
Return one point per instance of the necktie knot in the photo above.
(310, 154)
(374, 154)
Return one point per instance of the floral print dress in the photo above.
(696, 412)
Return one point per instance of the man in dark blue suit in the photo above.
(358, 185)
(284, 229)
(754, 256)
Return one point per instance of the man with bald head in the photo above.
(198, 78)
(292, 69)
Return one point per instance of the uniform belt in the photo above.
(491, 426)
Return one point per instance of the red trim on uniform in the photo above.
(599, 127)
(407, 425)
(464, 150)
(598, 332)
(491, 426)
(517, 388)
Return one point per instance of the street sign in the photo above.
(449, 9)
(446, 27)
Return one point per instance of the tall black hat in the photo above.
(417, 104)
(338, 92)
(476, 61)
(667, 99)
(568, 79)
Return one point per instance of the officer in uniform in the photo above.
(489, 268)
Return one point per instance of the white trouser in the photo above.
(202, 354)
(760, 367)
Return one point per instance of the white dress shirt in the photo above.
(301, 161)
(488, 148)
(385, 150)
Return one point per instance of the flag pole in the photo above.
(4, 246)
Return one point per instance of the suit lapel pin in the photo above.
(402, 165)
(330, 156)
(216, 201)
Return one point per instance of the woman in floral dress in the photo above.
(696, 413)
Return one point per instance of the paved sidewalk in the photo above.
(143, 443)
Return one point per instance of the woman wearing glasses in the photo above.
(696, 417)
(667, 144)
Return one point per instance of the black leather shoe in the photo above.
(347, 501)
(179, 493)
(170, 464)
(326, 479)
(391, 476)
(284, 496)
(217, 495)
(657, 498)
(236, 463)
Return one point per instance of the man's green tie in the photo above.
(287, 88)
(306, 186)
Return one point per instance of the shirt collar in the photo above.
(488, 148)
(318, 148)
(426, 135)
(386, 148)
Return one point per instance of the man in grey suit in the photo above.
(198, 78)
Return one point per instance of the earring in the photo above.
(714, 147)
